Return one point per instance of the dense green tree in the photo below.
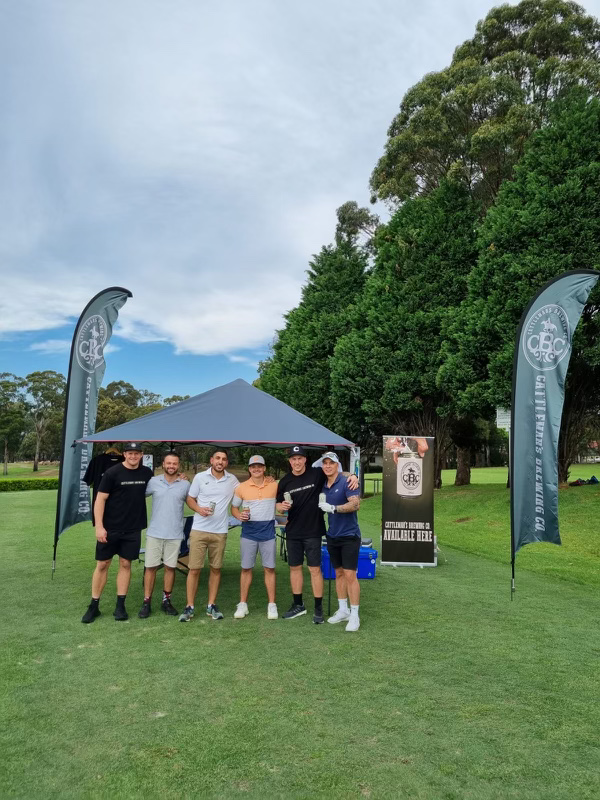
(545, 222)
(473, 118)
(45, 401)
(384, 371)
(12, 414)
(298, 371)
(121, 391)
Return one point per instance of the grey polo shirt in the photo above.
(167, 507)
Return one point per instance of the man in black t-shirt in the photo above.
(120, 514)
(304, 529)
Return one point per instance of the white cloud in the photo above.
(194, 153)
(51, 346)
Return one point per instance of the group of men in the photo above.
(303, 495)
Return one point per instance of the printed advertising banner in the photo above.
(86, 370)
(407, 536)
(542, 354)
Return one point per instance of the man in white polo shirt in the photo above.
(165, 532)
(209, 497)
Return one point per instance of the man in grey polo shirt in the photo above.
(165, 532)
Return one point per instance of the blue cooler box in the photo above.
(367, 562)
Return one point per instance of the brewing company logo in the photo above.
(90, 343)
(410, 474)
(547, 337)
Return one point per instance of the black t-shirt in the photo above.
(305, 518)
(125, 508)
(96, 469)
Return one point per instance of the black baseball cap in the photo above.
(297, 450)
(132, 446)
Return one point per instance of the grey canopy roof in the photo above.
(233, 414)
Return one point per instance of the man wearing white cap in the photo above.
(304, 529)
(343, 538)
(254, 504)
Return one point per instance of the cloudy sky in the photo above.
(195, 153)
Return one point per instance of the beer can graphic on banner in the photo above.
(409, 475)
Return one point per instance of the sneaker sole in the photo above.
(337, 621)
(299, 614)
(88, 621)
(170, 613)
(241, 616)
(318, 620)
(189, 619)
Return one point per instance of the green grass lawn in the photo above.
(448, 690)
(24, 469)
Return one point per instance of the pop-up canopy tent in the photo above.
(230, 415)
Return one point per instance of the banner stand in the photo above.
(407, 535)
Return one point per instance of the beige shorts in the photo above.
(161, 551)
(200, 542)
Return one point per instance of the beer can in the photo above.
(246, 508)
(322, 498)
(212, 505)
(409, 475)
(287, 497)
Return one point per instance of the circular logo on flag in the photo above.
(547, 337)
(90, 343)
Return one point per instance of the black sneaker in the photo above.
(91, 614)
(318, 618)
(294, 611)
(120, 614)
(145, 610)
(168, 608)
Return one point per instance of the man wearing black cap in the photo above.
(120, 515)
(305, 528)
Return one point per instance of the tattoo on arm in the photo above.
(353, 504)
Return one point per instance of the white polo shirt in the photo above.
(205, 489)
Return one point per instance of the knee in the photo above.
(339, 573)
(314, 570)
(102, 566)
(350, 576)
(215, 570)
(269, 570)
(125, 565)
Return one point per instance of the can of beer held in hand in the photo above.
(212, 505)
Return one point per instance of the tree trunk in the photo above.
(5, 467)
(463, 466)
(36, 458)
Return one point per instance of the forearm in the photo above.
(353, 504)
(191, 503)
(99, 506)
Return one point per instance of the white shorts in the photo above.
(249, 548)
(161, 551)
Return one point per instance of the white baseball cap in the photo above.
(332, 456)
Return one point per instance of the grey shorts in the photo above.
(249, 548)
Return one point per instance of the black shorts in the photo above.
(296, 548)
(343, 552)
(125, 544)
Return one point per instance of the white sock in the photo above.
(343, 604)
(354, 611)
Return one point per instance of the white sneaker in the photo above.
(353, 624)
(339, 616)
(241, 611)
(272, 611)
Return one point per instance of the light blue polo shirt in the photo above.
(167, 507)
(338, 494)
